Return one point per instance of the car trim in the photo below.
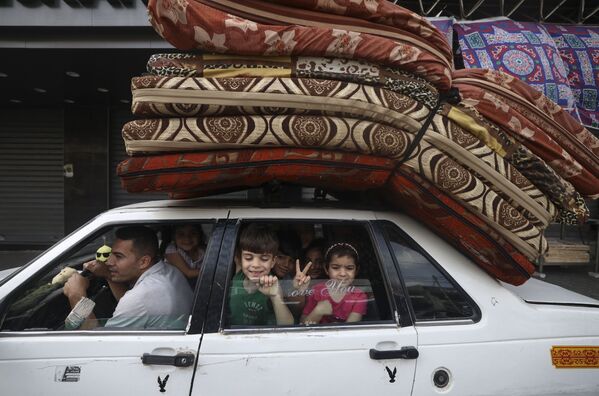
(582, 305)
(434, 322)
(94, 332)
(302, 328)
(224, 269)
(203, 286)
(403, 315)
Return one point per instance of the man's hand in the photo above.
(324, 308)
(269, 286)
(75, 288)
(97, 268)
(301, 280)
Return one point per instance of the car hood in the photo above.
(540, 292)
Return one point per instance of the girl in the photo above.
(186, 251)
(337, 300)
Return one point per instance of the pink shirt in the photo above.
(354, 301)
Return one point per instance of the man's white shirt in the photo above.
(160, 299)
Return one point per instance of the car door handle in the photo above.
(408, 352)
(179, 360)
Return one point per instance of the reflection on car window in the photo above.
(305, 274)
(119, 279)
(432, 294)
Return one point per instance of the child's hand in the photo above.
(301, 280)
(269, 285)
(324, 308)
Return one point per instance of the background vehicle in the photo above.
(436, 323)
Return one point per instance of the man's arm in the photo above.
(75, 289)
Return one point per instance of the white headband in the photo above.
(342, 244)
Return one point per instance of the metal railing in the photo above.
(579, 12)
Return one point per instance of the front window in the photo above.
(125, 277)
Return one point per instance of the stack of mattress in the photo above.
(356, 95)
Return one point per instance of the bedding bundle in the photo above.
(355, 95)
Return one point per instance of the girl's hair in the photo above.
(341, 249)
(196, 227)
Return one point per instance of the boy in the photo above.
(256, 298)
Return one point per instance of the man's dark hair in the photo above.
(258, 238)
(144, 239)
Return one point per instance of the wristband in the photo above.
(80, 312)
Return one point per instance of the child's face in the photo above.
(255, 265)
(342, 269)
(187, 238)
(315, 256)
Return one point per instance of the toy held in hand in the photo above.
(103, 253)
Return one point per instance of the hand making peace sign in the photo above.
(301, 280)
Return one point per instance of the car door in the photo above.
(108, 362)
(369, 357)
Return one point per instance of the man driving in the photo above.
(150, 293)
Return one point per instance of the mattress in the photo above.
(562, 193)
(544, 112)
(534, 138)
(350, 70)
(377, 17)
(200, 174)
(196, 96)
(195, 25)
(457, 225)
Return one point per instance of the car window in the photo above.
(125, 286)
(433, 294)
(305, 274)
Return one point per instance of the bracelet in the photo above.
(80, 312)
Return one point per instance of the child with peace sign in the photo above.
(336, 300)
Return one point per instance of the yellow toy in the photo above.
(103, 252)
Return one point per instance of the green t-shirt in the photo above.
(250, 309)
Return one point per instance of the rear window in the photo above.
(433, 294)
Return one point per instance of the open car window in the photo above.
(345, 285)
(41, 305)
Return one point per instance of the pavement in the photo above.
(575, 278)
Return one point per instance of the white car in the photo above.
(435, 324)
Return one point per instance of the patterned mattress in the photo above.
(195, 24)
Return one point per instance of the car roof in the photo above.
(227, 203)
